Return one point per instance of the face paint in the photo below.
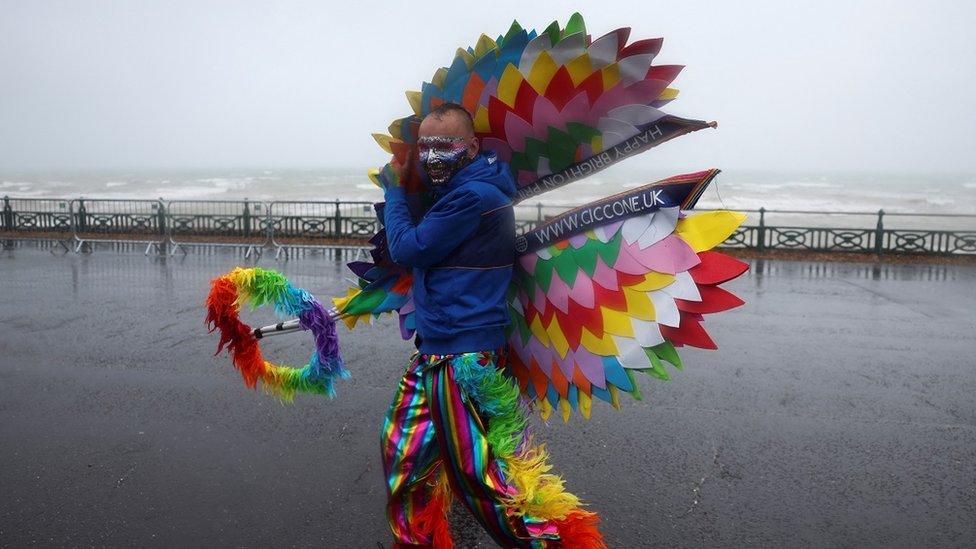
(442, 157)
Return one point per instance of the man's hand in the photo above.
(396, 174)
(388, 177)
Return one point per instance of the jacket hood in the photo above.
(485, 168)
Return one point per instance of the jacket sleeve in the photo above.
(446, 225)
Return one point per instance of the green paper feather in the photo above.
(666, 351)
(657, 369)
(567, 268)
(554, 33)
(581, 133)
(575, 25)
(585, 257)
(635, 392)
(543, 275)
(562, 149)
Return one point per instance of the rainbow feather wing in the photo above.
(590, 310)
(383, 287)
(557, 105)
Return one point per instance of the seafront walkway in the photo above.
(838, 411)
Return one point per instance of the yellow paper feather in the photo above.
(611, 75)
(508, 85)
(481, 123)
(653, 281)
(439, 76)
(580, 68)
(599, 346)
(556, 337)
(565, 409)
(585, 404)
(383, 141)
(616, 323)
(414, 98)
(465, 56)
(485, 45)
(668, 94)
(374, 176)
(639, 305)
(542, 72)
(545, 409)
(704, 231)
(539, 331)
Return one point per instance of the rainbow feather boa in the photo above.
(259, 287)
(539, 495)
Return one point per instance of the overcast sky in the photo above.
(823, 86)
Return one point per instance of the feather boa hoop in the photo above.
(258, 287)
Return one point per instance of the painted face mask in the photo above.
(442, 157)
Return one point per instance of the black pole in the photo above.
(879, 234)
(247, 219)
(160, 218)
(337, 228)
(82, 216)
(761, 230)
(8, 214)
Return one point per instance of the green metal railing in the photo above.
(169, 226)
(878, 238)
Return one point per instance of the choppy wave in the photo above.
(187, 192)
(741, 190)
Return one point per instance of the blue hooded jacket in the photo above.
(461, 252)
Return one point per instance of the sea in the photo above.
(833, 198)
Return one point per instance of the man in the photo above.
(463, 250)
(455, 424)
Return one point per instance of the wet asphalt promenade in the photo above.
(840, 411)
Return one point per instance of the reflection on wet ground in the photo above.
(860, 271)
(837, 411)
(134, 265)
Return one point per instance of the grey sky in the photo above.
(878, 86)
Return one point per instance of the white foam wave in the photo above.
(226, 183)
(840, 193)
(39, 193)
(940, 201)
(188, 192)
(780, 186)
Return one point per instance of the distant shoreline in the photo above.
(827, 191)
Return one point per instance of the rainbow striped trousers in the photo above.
(457, 428)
